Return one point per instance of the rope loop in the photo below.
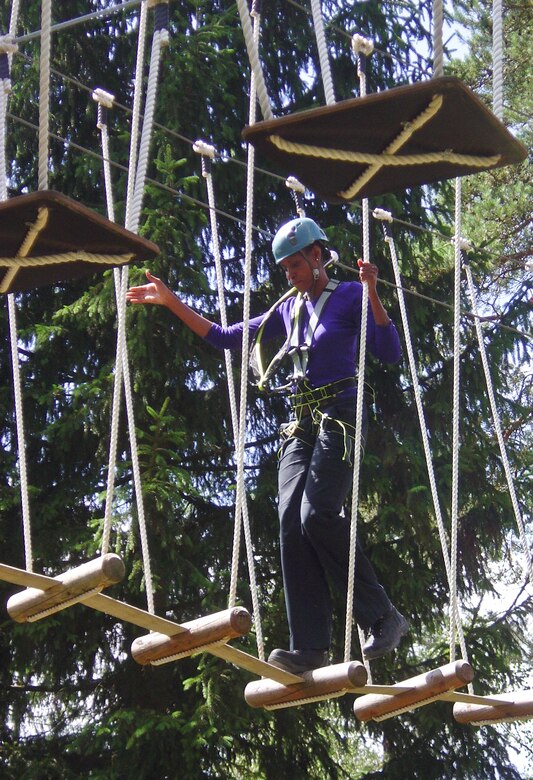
(378, 213)
(8, 44)
(362, 45)
(297, 191)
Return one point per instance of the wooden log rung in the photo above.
(317, 685)
(67, 589)
(158, 648)
(423, 689)
(511, 707)
(63, 605)
(186, 653)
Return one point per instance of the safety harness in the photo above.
(297, 344)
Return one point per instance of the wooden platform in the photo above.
(398, 122)
(48, 238)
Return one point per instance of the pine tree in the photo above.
(73, 701)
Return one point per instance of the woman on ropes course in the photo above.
(321, 326)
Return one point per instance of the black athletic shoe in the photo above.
(385, 635)
(298, 661)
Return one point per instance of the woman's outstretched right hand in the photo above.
(155, 292)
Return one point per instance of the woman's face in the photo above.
(299, 271)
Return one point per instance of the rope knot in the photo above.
(362, 45)
(8, 45)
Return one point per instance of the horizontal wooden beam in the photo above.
(150, 622)
(157, 648)
(24, 578)
(254, 665)
(324, 683)
(517, 705)
(69, 588)
(423, 688)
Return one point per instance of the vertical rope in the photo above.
(133, 213)
(386, 218)
(455, 418)
(297, 191)
(136, 115)
(360, 397)
(13, 21)
(8, 47)
(115, 413)
(207, 156)
(21, 439)
(497, 59)
(105, 101)
(250, 179)
(498, 428)
(252, 47)
(136, 181)
(438, 49)
(44, 92)
(325, 69)
(160, 40)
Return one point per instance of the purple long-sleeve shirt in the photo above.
(333, 351)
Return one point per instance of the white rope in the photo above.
(208, 154)
(21, 439)
(318, 21)
(251, 41)
(44, 93)
(497, 59)
(159, 41)
(456, 412)
(386, 218)
(122, 372)
(13, 21)
(297, 190)
(136, 113)
(362, 48)
(240, 450)
(136, 182)
(121, 310)
(498, 428)
(11, 308)
(4, 97)
(358, 429)
(113, 441)
(105, 101)
(31, 236)
(438, 49)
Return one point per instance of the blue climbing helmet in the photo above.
(295, 236)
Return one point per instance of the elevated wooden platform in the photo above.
(325, 683)
(414, 692)
(57, 593)
(387, 141)
(48, 238)
(510, 707)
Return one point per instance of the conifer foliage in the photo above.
(72, 701)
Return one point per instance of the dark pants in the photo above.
(315, 475)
